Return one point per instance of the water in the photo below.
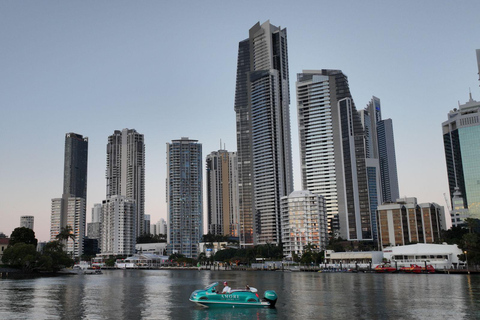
(163, 294)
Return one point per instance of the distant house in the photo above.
(3, 246)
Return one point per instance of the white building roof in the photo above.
(423, 249)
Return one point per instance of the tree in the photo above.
(54, 258)
(149, 238)
(21, 255)
(65, 234)
(472, 225)
(23, 235)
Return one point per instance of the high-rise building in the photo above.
(222, 193)
(70, 210)
(184, 196)
(380, 158)
(94, 227)
(405, 222)
(263, 132)
(146, 224)
(304, 222)
(332, 151)
(159, 228)
(27, 222)
(118, 236)
(458, 213)
(461, 140)
(126, 171)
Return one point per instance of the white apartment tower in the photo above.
(332, 151)
(304, 222)
(27, 222)
(118, 222)
(126, 171)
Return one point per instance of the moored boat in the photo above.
(383, 268)
(415, 268)
(208, 297)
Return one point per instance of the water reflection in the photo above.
(158, 294)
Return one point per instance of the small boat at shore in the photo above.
(385, 268)
(415, 268)
(208, 297)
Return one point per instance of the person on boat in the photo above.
(226, 288)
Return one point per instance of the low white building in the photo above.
(351, 259)
(440, 256)
(144, 260)
(159, 248)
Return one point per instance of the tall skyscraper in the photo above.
(27, 222)
(126, 171)
(461, 140)
(332, 151)
(222, 193)
(263, 132)
(380, 144)
(70, 210)
(380, 158)
(184, 196)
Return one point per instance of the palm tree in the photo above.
(65, 234)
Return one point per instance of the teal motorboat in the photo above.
(236, 298)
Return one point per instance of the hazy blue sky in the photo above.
(167, 69)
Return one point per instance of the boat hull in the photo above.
(237, 298)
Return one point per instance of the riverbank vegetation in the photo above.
(22, 255)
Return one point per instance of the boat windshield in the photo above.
(211, 285)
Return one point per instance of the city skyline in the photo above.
(72, 68)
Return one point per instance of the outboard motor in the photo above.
(271, 297)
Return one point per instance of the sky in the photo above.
(168, 69)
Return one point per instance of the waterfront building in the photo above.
(142, 260)
(352, 259)
(304, 222)
(406, 221)
(118, 236)
(70, 210)
(263, 132)
(184, 196)
(210, 248)
(380, 159)
(332, 151)
(27, 222)
(440, 256)
(159, 248)
(222, 193)
(461, 140)
(126, 171)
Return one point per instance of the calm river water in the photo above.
(163, 294)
